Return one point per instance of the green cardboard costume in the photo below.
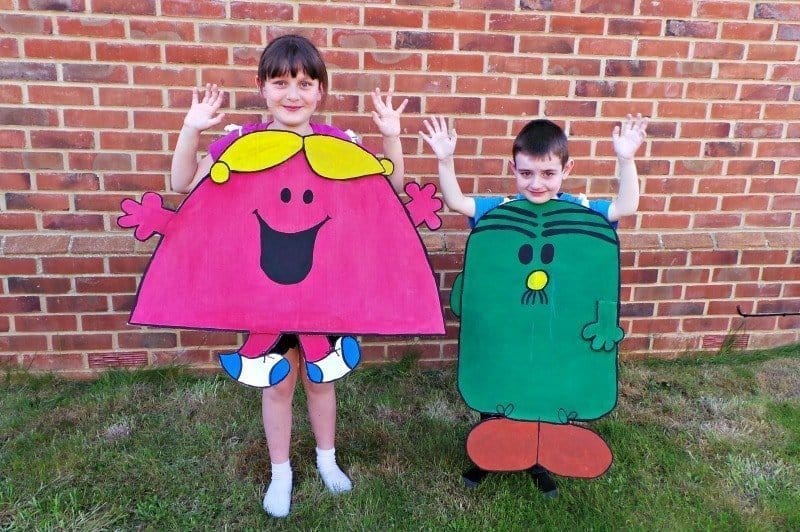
(539, 306)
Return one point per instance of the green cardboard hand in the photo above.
(604, 334)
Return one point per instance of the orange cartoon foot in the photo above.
(502, 444)
(573, 451)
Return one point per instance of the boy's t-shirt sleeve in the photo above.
(600, 206)
(484, 204)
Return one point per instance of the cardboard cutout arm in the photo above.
(147, 217)
(604, 334)
(455, 294)
(423, 205)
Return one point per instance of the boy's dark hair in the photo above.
(541, 138)
(290, 54)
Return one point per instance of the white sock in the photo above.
(333, 477)
(278, 497)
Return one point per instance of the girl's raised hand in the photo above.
(441, 141)
(203, 114)
(386, 117)
(630, 136)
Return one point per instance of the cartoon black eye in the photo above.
(286, 195)
(308, 197)
(547, 253)
(525, 253)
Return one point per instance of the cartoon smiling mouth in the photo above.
(287, 258)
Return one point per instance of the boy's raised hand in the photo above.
(629, 136)
(203, 113)
(441, 141)
(386, 117)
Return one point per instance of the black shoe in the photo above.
(544, 481)
(473, 476)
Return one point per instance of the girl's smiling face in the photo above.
(539, 179)
(292, 100)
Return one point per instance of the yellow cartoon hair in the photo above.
(329, 157)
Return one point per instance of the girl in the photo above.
(293, 81)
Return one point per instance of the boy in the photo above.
(540, 163)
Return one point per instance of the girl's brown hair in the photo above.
(291, 54)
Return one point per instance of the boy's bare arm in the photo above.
(627, 200)
(443, 144)
(451, 191)
(185, 171)
(627, 140)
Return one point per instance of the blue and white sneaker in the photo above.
(260, 372)
(342, 360)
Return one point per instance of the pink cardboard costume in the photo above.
(290, 234)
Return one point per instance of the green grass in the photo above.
(710, 443)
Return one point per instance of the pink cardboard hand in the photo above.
(147, 217)
(423, 205)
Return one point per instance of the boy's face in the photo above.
(539, 178)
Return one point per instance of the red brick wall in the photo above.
(93, 93)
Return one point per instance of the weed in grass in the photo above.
(755, 478)
(714, 406)
(390, 416)
(118, 430)
(203, 391)
(780, 378)
(440, 409)
(733, 418)
(728, 379)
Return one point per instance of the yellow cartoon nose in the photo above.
(537, 280)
